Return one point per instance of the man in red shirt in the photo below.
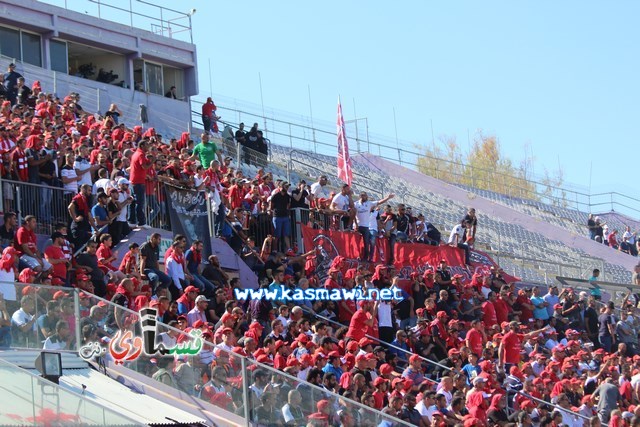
(489, 310)
(26, 244)
(511, 345)
(475, 337)
(361, 321)
(140, 164)
(56, 257)
(502, 307)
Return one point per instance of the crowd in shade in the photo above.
(451, 352)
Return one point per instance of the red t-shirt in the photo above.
(208, 109)
(489, 317)
(59, 269)
(526, 313)
(357, 327)
(103, 253)
(511, 343)
(138, 173)
(128, 263)
(235, 197)
(25, 236)
(502, 310)
(475, 341)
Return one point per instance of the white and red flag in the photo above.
(344, 160)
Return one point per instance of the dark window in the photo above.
(31, 53)
(10, 43)
(58, 52)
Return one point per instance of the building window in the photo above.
(58, 54)
(21, 46)
(10, 43)
(153, 74)
(31, 53)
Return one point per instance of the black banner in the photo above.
(188, 213)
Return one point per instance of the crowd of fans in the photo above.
(599, 231)
(481, 353)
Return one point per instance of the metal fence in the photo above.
(304, 133)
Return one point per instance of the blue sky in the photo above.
(558, 76)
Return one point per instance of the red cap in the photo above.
(333, 354)
(58, 295)
(198, 324)
(228, 316)
(352, 346)
(386, 369)
(379, 381)
(322, 405)
(191, 288)
(415, 358)
(365, 342)
(442, 315)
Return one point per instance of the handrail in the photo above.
(412, 154)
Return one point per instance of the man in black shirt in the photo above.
(299, 196)
(409, 412)
(279, 206)
(591, 321)
(149, 256)
(89, 262)
(404, 221)
(116, 315)
(8, 229)
(472, 219)
(11, 83)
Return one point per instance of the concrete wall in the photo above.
(51, 21)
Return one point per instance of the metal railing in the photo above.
(37, 401)
(304, 133)
(136, 14)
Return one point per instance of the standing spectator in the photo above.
(69, 178)
(120, 227)
(540, 311)
(472, 219)
(206, 152)
(82, 220)
(319, 190)
(149, 255)
(49, 177)
(609, 397)
(300, 196)
(11, 83)
(364, 209)
(456, 239)
(84, 168)
(279, 206)
(140, 164)
(591, 225)
(209, 118)
(26, 245)
(607, 328)
(99, 211)
(342, 205)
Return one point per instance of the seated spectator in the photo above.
(82, 222)
(129, 264)
(61, 340)
(88, 260)
(8, 229)
(24, 323)
(55, 255)
(26, 244)
(106, 257)
(149, 255)
(193, 259)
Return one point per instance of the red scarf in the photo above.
(197, 256)
(184, 300)
(130, 300)
(178, 258)
(81, 204)
(20, 158)
(184, 141)
(442, 331)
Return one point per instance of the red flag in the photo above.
(344, 161)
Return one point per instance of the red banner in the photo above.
(409, 257)
(344, 160)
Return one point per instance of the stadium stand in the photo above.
(475, 351)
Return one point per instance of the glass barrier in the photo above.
(41, 316)
(36, 401)
(274, 398)
(238, 384)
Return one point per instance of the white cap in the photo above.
(201, 298)
(123, 181)
(477, 380)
